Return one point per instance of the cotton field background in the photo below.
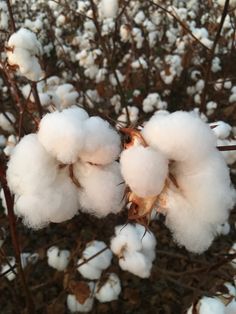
(118, 156)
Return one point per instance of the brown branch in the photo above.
(36, 98)
(226, 148)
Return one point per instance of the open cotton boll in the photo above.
(30, 167)
(58, 259)
(6, 121)
(136, 263)
(24, 50)
(102, 189)
(93, 268)
(144, 170)
(181, 136)
(67, 95)
(75, 306)
(109, 290)
(102, 143)
(109, 8)
(55, 203)
(62, 134)
(208, 306)
(187, 228)
(221, 129)
(148, 241)
(126, 239)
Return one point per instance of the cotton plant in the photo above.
(92, 267)
(135, 248)
(23, 51)
(45, 169)
(57, 258)
(187, 187)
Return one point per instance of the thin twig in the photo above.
(13, 25)
(92, 257)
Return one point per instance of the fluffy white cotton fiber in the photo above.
(30, 167)
(23, 51)
(102, 188)
(181, 136)
(93, 268)
(109, 290)
(135, 248)
(62, 134)
(102, 143)
(144, 170)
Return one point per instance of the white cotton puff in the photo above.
(67, 95)
(93, 268)
(57, 258)
(102, 188)
(5, 123)
(144, 170)
(126, 238)
(230, 155)
(109, 290)
(74, 306)
(102, 143)
(24, 50)
(221, 129)
(136, 263)
(181, 136)
(148, 241)
(30, 167)
(109, 8)
(208, 306)
(62, 134)
(56, 203)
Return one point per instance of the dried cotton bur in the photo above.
(190, 192)
(69, 164)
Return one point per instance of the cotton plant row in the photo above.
(140, 23)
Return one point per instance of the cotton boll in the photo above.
(231, 307)
(136, 263)
(102, 143)
(233, 251)
(209, 306)
(62, 134)
(187, 228)
(221, 129)
(30, 167)
(109, 8)
(148, 241)
(67, 95)
(168, 134)
(74, 305)
(93, 268)
(223, 229)
(144, 170)
(109, 290)
(102, 188)
(57, 203)
(88, 271)
(58, 259)
(126, 238)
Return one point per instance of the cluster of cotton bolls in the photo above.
(95, 259)
(23, 51)
(70, 163)
(185, 172)
(53, 93)
(135, 248)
